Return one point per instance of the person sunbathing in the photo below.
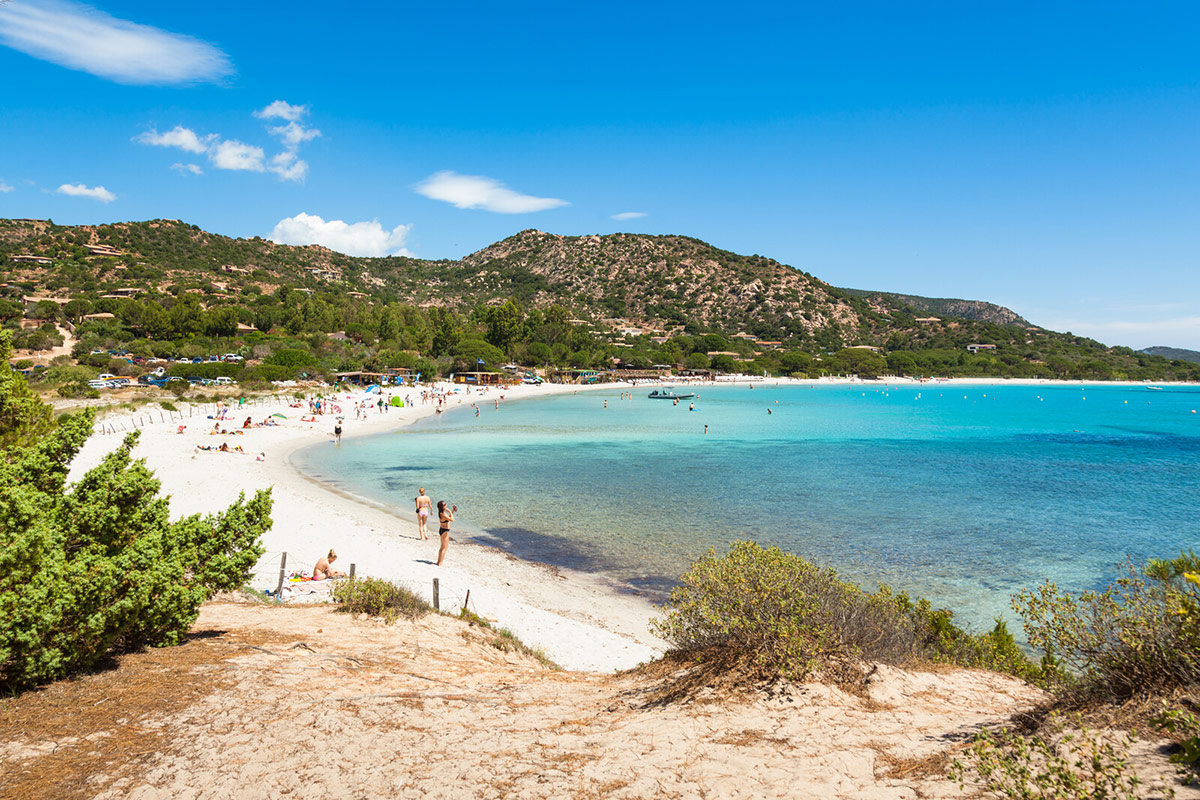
(324, 568)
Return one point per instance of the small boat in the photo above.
(1155, 388)
(668, 394)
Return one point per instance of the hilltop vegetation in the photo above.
(165, 289)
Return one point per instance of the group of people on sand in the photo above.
(445, 517)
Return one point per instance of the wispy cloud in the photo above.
(294, 134)
(4, 187)
(629, 215)
(231, 154)
(94, 192)
(288, 167)
(83, 38)
(187, 169)
(281, 109)
(355, 239)
(478, 191)
(179, 136)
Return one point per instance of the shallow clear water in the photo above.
(964, 495)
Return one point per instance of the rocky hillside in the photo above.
(977, 310)
(657, 282)
(667, 278)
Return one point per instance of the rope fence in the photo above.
(275, 564)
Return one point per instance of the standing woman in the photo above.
(445, 517)
(424, 507)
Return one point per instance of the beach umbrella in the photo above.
(396, 401)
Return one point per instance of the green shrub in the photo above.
(99, 566)
(1141, 634)
(378, 598)
(1058, 766)
(77, 389)
(787, 618)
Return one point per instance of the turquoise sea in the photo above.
(961, 494)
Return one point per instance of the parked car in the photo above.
(97, 384)
(197, 360)
(224, 381)
(232, 358)
(195, 380)
(103, 376)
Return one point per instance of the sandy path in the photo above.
(302, 702)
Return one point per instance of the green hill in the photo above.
(1173, 353)
(166, 287)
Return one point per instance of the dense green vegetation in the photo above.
(773, 614)
(534, 299)
(98, 566)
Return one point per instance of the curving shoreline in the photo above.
(582, 621)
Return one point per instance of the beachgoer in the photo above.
(706, 430)
(224, 447)
(337, 432)
(445, 517)
(249, 423)
(424, 507)
(324, 568)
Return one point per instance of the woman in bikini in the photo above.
(324, 568)
(424, 507)
(445, 517)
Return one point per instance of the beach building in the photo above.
(870, 347)
(573, 375)
(975, 348)
(103, 250)
(927, 319)
(482, 378)
(26, 258)
(392, 376)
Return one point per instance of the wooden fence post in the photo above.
(467, 600)
(282, 570)
(436, 599)
(352, 570)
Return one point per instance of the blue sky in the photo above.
(1044, 156)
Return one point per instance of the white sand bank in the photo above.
(579, 620)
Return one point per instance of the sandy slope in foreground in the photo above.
(300, 702)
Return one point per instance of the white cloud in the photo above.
(179, 136)
(629, 215)
(79, 190)
(4, 187)
(478, 191)
(355, 239)
(288, 167)
(294, 134)
(183, 169)
(83, 38)
(232, 154)
(281, 110)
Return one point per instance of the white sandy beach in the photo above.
(579, 620)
